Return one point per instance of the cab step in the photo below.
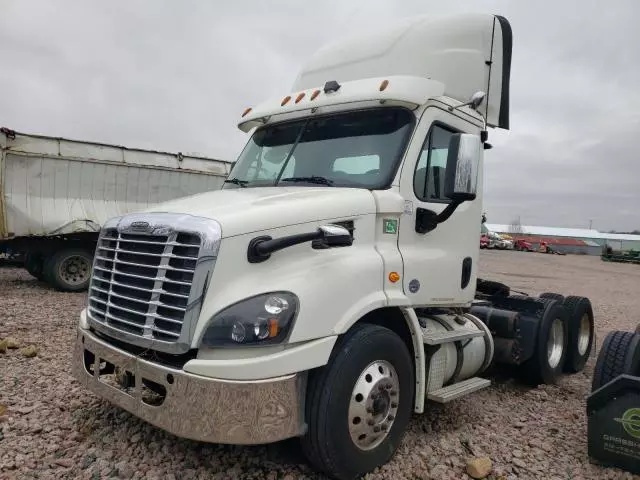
(440, 337)
(457, 390)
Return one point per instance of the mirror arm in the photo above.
(428, 220)
(448, 211)
(261, 248)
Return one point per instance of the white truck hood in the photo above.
(245, 210)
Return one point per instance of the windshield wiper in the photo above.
(312, 179)
(237, 181)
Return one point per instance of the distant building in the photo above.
(570, 240)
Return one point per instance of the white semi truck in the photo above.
(56, 193)
(329, 290)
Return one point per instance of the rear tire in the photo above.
(69, 270)
(620, 354)
(581, 333)
(489, 287)
(367, 387)
(546, 364)
(554, 296)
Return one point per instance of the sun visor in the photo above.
(468, 53)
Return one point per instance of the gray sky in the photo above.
(175, 75)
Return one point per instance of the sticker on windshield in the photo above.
(390, 225)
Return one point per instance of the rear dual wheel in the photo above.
(554, 296)
(581, 332)
(546, 364)
(359, 405)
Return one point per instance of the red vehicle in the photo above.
(484, 241)
(523, 246)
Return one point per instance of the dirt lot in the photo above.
(52, 429)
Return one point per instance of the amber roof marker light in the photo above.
(300, 97)
(384, 85)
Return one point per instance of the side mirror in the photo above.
(463, 162)
(335, 236)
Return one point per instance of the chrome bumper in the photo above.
(194, 406)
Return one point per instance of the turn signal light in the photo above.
(394, 277)
(273, 327)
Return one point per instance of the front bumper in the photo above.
(195, 407)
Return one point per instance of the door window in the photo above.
(429, 175)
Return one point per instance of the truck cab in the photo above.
(326, 291)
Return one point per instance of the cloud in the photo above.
(175, 75)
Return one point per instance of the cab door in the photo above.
(440, 266)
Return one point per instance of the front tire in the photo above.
(359, 404)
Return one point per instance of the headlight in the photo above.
(265, 319)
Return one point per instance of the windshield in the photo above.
(356, 149)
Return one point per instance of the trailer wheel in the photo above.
(69, 270)
(34, 264)
(620, 354)
(581, 333)
(359, 404)
(546, 364)
(553, 296)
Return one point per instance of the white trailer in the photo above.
(329, 289)
(55, 195)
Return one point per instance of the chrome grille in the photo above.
(143, 282)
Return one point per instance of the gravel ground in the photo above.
(52, 429)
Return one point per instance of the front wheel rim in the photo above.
(584, 334)
(555, 343)
(74, 270)
(373, 405)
